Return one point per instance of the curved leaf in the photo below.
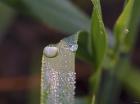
(98, 35)
(133, 25)
(122, 24)
(60, 14)
(83, 52)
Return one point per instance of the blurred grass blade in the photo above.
(6, 17)
(97, 43)
(125, 2)
(122, 25)
(98, 35)
(129, 75)
(82, 52)
(131, 80)
(133, 25)
(60, 14)
(81, 100)
(109, 89)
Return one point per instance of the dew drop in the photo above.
(126, 31)
(50, 51)
(74, 48)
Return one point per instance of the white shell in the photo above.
(50, 51)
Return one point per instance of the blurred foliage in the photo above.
(93, 47)
(133, 25)
(83, 52)
(133, 18)
(121, 27)
(59, 14)
(6, 18)
(111, 82)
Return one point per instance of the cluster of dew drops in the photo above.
(62, 84)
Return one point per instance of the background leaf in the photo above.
(83, 52)
(62, 14)
(122, 24)
(110, 84)
(130, 77)
(133, 25)
(6, 17)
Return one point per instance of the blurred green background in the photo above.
(27, 26)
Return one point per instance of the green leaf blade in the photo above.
(133, 25)
(98, 35)
(83, 52)
(62, 14)
(121, 27)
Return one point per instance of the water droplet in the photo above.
(50, 51)
(126, 31)
(74, 48)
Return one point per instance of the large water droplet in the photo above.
(50, 51)
(74, 47)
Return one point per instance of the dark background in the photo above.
(21, 52)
